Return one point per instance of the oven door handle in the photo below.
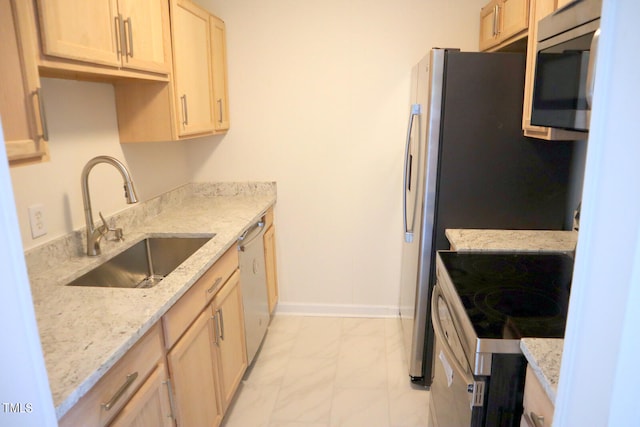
(437, 327)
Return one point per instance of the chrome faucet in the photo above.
(94, 235)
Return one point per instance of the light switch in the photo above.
(36, 220)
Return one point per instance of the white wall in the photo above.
(319, 96)
(82, 124)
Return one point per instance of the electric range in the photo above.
(482, 304)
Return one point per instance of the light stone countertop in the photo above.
(511, 240)
(544, 356)
(84, 331)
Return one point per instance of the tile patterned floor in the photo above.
(329, 372)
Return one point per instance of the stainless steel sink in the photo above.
(144, 264)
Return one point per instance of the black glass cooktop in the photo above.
(512, 295)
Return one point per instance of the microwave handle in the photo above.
(591, 73)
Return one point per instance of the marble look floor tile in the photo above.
(362, 362)
(358, 407)
(318, 337)
(302, 403)
(296, 424)
(363, 326)
(329, 372)
(252, 406)
(408, 407)
(267, 369)
(286, 324)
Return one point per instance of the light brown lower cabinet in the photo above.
(194, 375)
(538, 409)
(185, 370)
(269, 240)
(207, 363)
(133, 383)
(150, 406)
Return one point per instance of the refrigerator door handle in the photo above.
(416, 110)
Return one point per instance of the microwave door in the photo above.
(560, 95)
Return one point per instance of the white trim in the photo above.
(338, 310)
(24, 382)
(599, 373)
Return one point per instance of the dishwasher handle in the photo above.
(250, 235)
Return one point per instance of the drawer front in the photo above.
(117, 386)
(185, 311)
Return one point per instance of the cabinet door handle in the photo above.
(117, 31)
(118, 394)
(215, 329)
(496, 12)
(185, 112)
(121, 45)
(43, 117)
(219, 311)
(129, 37)
(172, 405)
(220, 106)
(215, 285)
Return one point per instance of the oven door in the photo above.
(564, 78)
(457, 398)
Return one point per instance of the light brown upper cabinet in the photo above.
(20, 98)
(195, 102)
(192, 68)
(539, 9)
(219, 58)
(502, 22)
(127, 38)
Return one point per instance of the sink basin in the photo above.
(144, 264)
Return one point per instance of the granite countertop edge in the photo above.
(84, 331)
(544, 356)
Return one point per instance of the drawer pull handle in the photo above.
(214, 286)
(130, 379)
(533, 419)
(538, 420)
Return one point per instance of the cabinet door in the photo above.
(270, 267)
(146, 34)
(514, 18)
(192, 68)
(80, 30)
(193, 371)
(232, 354)
(220, 90)
(19, 91)
(150, 406)
(489, 23)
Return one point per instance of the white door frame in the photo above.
(25, 396)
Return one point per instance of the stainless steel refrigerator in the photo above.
(467, 165)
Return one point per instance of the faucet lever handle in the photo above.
(105, 228)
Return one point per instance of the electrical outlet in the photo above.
(36, 220)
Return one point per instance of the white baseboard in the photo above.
(338, 310)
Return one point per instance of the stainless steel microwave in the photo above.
(566, 50)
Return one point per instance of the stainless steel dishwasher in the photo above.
(253, 279)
